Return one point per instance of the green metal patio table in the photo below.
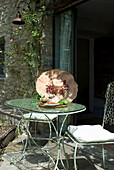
(27, 104)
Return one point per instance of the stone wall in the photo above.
(8, 85)
(1, 89)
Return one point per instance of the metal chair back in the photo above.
(109, 105)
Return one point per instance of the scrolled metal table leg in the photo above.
(13, 160)
(59, 138)
(75, 166)
(65, 154)
(42, 150)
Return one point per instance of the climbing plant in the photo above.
(24, 52)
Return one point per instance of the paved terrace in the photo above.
(88, 157)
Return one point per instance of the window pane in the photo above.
(63, 41)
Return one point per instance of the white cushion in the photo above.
(90, 133)
(38, 116)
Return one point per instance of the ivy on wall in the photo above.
(25, 49)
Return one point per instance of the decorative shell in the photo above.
(56, 77)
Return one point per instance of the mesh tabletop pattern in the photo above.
(27, 104)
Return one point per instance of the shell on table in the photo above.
(56, 77)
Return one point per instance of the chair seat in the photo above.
(38, 116)
(90, 133)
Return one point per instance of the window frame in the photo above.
(73, 39)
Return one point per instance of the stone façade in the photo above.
(8, 84)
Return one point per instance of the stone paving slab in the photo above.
(88, 158)
(5, 165)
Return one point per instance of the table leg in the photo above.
(44, 151)
(13, 160)
(29, 136)
(59, 138)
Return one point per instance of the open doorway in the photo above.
(83, 71)
(104, 71)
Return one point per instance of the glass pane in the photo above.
(63, 48)
(63, 44)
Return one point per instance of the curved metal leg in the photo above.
(50, 134)
(59, 138)
(42, 150)
(61, 128)
(58, 153)
(103, 156)
(75, 166)
(62, 161)
(65, 154)
(13, 160)
(59, 156)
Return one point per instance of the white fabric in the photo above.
(90, 133)
(38, 116)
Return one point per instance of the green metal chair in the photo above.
(95, 134)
